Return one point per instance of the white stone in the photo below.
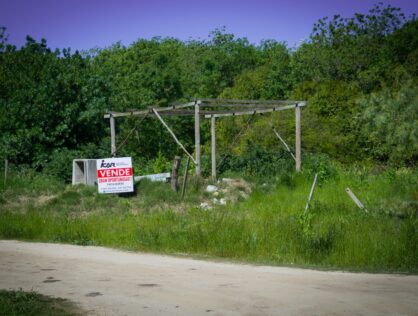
(205, 206)
(211, 188)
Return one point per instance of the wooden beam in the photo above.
(254, 111)
(298, 138)
(213, 145)
(173, 135)
(197, 136)
(174, 109)
(245, 106)
(112, 136)
(149, 110)
(212, 101)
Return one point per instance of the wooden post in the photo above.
(213, 141)
(183, 189)
(112, 136)
(298, 137)
(6, 167)
(175, 173)
(197, 135)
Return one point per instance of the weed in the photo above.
(266, 228)
(20, 303)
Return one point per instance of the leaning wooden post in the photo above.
(356, 200)
(112, 136)
(311, 193)
(213, 140)
(197, 135)
(298, 137)
(183, 189)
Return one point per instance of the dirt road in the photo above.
(111, 282)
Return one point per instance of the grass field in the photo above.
(20, 303)
(269, 227)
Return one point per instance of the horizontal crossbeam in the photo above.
(149, 110)
(247, 109)
(255, 111)
(258, 102)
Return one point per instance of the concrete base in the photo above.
(84, 171)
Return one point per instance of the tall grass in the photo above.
(269, 227)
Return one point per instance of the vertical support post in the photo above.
(213, 143)
(112, 136)
(197, 135)
(175, 173)
(298, 137)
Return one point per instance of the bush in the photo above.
(258, 162)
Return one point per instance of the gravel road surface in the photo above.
(111, 282)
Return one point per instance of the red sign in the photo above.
(116, 172)
(114, 175)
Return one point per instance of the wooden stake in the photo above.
(197, 136)
(112, 136)
(173, 135)
(175, 173)
(183, 189)
(298, 137)
(213, 140)
(311, 193)
(355, 200)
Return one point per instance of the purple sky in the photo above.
(84, 24)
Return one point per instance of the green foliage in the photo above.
(258, 162)
(47, 102)
(356, 73)
(160, 164)
(20, 303)
(389, 124)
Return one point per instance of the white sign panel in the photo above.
(114, 175)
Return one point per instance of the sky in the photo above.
(85, 24)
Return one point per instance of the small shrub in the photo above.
(320, 164)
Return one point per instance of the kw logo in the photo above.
(107, 164)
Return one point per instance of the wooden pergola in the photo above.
(213, 109)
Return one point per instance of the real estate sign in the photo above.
(114, 175)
